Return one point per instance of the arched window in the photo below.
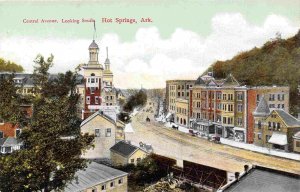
(184, 122)
(93, 74)
(259, 124)
(180, 120)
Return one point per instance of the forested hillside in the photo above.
(277, 62)
(9, 66)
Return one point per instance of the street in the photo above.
(178, 145)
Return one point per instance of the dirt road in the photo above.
(175, 144)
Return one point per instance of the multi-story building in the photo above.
(107, 130)
(182, 112)
(224, 107)
(277, 97)
(177, 89)
(98, 83)
(274, 129)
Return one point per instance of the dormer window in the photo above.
(93, 74)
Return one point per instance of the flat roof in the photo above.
(264, 179)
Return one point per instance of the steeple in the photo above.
(107, 62)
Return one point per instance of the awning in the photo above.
(239, 129)
(278, 138)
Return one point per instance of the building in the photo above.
(182, 110)
(296, 142)
(98, 89)
(9, 145)
(219, 108)
(123, 153)
(107, 130)
(265, 179)
(225, 107)
(177, 89)
(274, 129)
(97, 177)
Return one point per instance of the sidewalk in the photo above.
(264, 150)
(250, 147)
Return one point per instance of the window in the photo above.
(112, 184)
(88, 101)
(18, 132)
(278, 106)
(224, 120)
(94, 190)
(224, 96)
(138, 159)
(274, 125)
(1, 134)
(97, 132)
(96, 100)
(1, 121)
(182, 87)
(178, 87)
(92, 80)
(282, 106)
(240, 121)
(219, 96)
(178, 94)
(92, 90)
(182, 94)
(259, 124)
(132, 160)
(240, 108)
(187, 94)
(269, 125)
(240, 96)
(259, 136)
(120, 181)
(297, 143)
(278, 126)
(257, 97)
(282, 97)
(103, 187)
(187, 86)
(108, 132)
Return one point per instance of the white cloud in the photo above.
(150, 60)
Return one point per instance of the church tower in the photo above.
(107, 74)
(93, 81)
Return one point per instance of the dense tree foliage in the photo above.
(138, 99)
(276, 63)
(52, 140)
(9, 99)
(10, 66)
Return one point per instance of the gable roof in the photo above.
(262, 108)
(230, 81)
(287, 118)
(9, 141)
(93, 175)
(200, 81)
(100, 113)
(123, 148)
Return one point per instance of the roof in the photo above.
(278, 138)
(93, 45)
(123, 148)
(94, 174)
(9, 141)
(200, 81)
(231, 81)
(297, 135)
(288, 119)
(100, 113)
(262, 108)
(266, 180)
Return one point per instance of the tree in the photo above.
(9, 66)
(9, 100)
(52, 140)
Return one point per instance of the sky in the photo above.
(183, 39)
